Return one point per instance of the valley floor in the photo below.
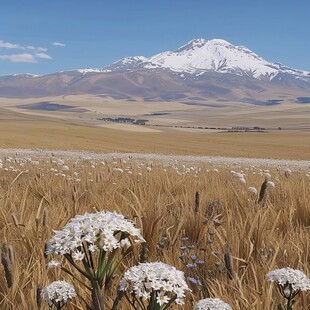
(171, 127)
(52, 135)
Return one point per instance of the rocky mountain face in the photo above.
(198, 71)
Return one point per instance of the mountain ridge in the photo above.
(206, 69)
(217, 55)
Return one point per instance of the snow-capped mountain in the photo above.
(200, 70)
(199, 56)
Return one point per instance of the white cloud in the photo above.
(59, 44)
(26, 57)
(43, 56)
(9, 45)
(31, 55)
(42, 49)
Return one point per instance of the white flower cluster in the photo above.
(252, 190)
(284, 276)
(58, 292)
(105, 230)
(212, 304)
(155, 279)
(239, 175)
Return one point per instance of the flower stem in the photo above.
(289, 305)
(97, 297)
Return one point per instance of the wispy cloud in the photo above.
(41, 49)
(26, 57)
(31, 53)
(8, 45)
(43, 56)
(58, 44)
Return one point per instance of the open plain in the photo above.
(80, 123)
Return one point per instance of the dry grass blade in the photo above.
(38, 215)
(15, 220)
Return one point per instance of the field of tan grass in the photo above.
(47, 134)
(39, 195)
(84, 129)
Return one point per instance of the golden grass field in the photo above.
(37, 196)
(281, 145)
(21, 128)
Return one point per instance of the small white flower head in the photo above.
(252, 190)
(65, 168)
(238, 175)
(161, 281)
(289, 280)
(78, 255)
(242, 180)
(118, 170)
(102, 230)
(53, 264)
(267, 176)
(58, 292)
(212, 304)
(270, 184)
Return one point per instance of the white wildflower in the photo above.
(65, 168)
(238, 175)
(53, 264)
(252, 190)
(267, 176)
(92, 248)
(58, 292)
(118, 170)
(270, 184)
(78, 255)
(101, 230)
(162, 298)
(161, 280)
(242, 180)
(60, 162)
(212, 304)
(288, 276)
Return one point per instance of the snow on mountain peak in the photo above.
(127, 63)
(196, 43)
(214, 55)
(200, 43)
(200, 55)
(25, 75)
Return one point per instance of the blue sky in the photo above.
(44, 36)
